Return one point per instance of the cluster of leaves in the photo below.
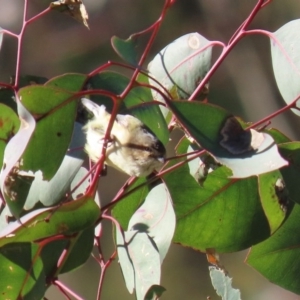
(232, 186)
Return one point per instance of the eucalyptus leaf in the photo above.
(284, 247)
(126, 49)
(22, 272)
(72, 82)
(13, 187)
(124, 209)
(135, 103)
(223, 136)
(55, 121)
(156, 217)
(223, 284)
(180, 67)
(285, 46)
(126, 263)
(10, 124)
(154, 292)
(291, 173)
(81, 250)
(223, 213)
(51, 192)
(273, 195)
(143, 258)
(67, 219)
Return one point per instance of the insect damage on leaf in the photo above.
(12, 181)
(237, 140)
(282, 194)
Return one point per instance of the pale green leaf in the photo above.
(223, 284)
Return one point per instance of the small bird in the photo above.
(132, 147)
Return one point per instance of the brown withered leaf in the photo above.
(213, 258)
(73, 8)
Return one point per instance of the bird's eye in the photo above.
(159, 147)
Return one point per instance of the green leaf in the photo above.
(154, 292)
(126, 49)
(271, 202)
(224, 213)
(277, 258)
(81, 250)
(51, 250)
(9, 125)
(25, 267)
(67, 219)
(13, 187)
(150, 115)
(204, 122)
(22, 274)
(107, 81)
(224, 137)
(55, 121)
(136, 102)
(285, 46)
(278, 136)
(21, 186)
(291, 173)
(7, 95)
(124, 209)
(271, 195)
(72, 82)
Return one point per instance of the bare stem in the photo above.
(65, 290)
(20, 38)
(237, 36)
(155, 27)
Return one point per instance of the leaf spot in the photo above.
(193, 42)
(148, 216)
